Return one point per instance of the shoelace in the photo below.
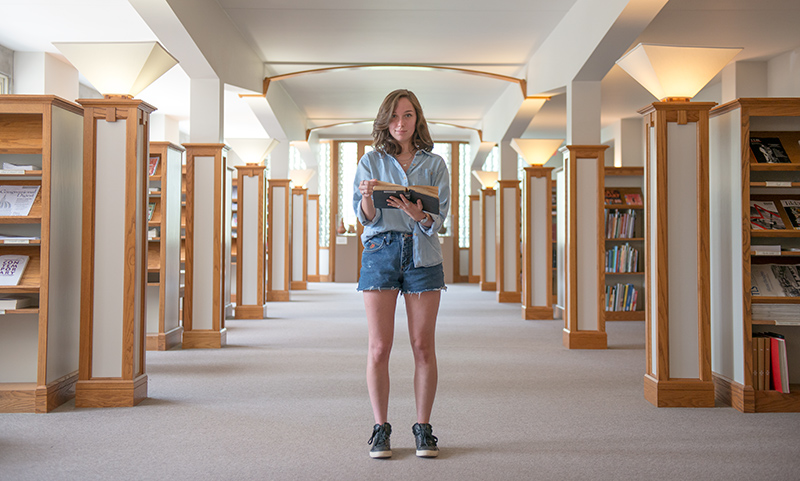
(427, 437)
(379, 436)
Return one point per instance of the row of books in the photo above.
(620, 224)
(770, 367)
(769, 215)
(621, 297)
(622, 258)
(775, 280)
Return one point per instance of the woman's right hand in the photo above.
(365, 187)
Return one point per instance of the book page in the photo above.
(17, 200)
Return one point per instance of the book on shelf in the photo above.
(775, 280)
(622, 259)
(770, 366)
(11, 268)
(613, 196)
(151, 207)
(428, 194)
(621, 297)
(17, 200)
(765, 250)
(792, 209)
(779, 363)
(18, 239)
(633, 198)
(768, 150)
(8, 167)
(152, 165)
(15, 302)
(780, 313)
(764, 215)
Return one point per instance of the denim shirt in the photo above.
(426, 169)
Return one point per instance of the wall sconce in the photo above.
(536, 151)
(674, 72)
(486, 178)
(118, 68)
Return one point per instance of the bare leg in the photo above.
(380, 307)
(422, 310)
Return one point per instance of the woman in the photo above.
(401, 255)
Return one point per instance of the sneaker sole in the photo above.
(380, 454)
(424, 453)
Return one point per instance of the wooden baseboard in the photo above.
(278, 296)
(251, 312)
(314, 278)
(541, 313)
(56, 393)
(30, 398)
(474, 279)
(110, 393)
(164, 341)
(729, 392)
(488, 286)
(585, 339)
(508, 296)
(298, 286)
(684, 393)
(205, 339)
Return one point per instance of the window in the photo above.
(324, 189)
(3, 84)
(464, 191)
(348, 163)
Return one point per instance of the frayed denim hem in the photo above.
(443, 288)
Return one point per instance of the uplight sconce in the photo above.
(300, 177)
(672, 72)
(536, 151)
(486, 178)
(677, 267)
(537, 231)
(121, 69)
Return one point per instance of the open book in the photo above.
(428, 194)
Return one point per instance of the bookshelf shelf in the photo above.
(735, 124)
(622, 182)
(39, 352)
(163, 290)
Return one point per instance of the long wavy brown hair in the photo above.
(382, 138)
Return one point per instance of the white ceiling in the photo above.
(498, 37)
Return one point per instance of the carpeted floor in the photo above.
(287, 400)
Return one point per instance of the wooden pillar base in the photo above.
(202, 339)
(165, 341)
(278, 296)
(488, 286)
(298, 286)
(251, 312)
(515, 297)
(585, 339)
(679, 393)
(540, 313)
(110, 393)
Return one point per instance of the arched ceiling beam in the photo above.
(521, 82)
(363, 121)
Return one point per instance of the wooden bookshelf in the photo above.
(626, 181)
(164, 286)
(39, 344)
(738, 245)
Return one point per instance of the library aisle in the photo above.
(286, 399)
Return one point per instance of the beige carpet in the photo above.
(287, 400)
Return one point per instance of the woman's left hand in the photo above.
(411, 209)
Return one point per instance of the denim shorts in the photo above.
(388, 263)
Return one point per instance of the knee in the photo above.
(424, 350)
(379, 352)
